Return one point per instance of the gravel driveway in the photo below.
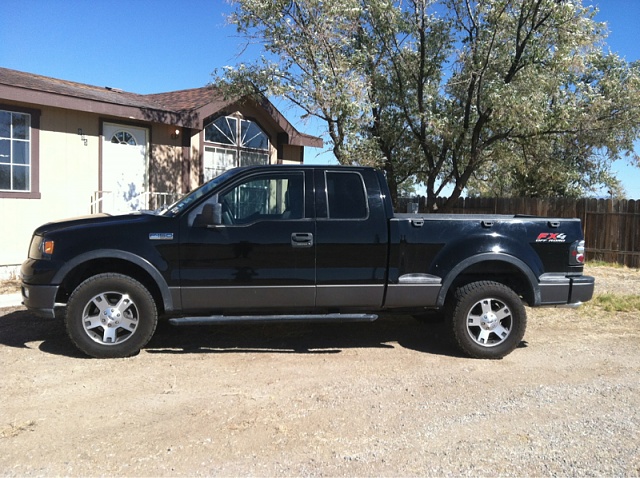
(391, 398)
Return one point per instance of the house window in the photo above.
(236, 142)
(123, 137)
(15, 151)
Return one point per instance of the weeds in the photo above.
(617, 303)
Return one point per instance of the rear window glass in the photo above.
(346, 196)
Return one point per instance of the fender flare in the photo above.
(123, 255)
(485, 257)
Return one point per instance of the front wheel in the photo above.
(111, 316)
(487, 319)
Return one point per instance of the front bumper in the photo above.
(563, 290)
(40, 299)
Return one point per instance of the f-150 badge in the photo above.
(161, 236)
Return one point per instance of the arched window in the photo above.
(123, 137)
(232, 141)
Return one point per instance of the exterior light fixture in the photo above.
(175, 134)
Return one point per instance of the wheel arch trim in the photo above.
(142, 263)
(486, 257)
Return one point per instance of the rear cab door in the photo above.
(351, 239)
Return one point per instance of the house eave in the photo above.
(38, 98)
(184, 108)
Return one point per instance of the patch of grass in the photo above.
(617, 303)
(596, 263)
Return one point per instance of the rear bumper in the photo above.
(40, 299)
(582, 289)
(560, 290)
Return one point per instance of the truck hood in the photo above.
(94, 220)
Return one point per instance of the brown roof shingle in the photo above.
(77, 90)
(174, 107)
(190, 99)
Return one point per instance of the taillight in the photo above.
(577, 253)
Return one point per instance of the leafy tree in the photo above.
(513, 95)
(313, 59)
(556, 167)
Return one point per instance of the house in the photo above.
(69, 149)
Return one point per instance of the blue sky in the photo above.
(146, 46)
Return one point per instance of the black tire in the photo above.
(487, 319)
(111, 316)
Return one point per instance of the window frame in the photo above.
(268, 176)
(364, 191)
(34, 154)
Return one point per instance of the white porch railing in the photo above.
(107, 201)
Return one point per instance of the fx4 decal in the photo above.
(551, 237)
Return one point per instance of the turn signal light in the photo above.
(47, 247)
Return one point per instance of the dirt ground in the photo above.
(9, 286)
(391, 398)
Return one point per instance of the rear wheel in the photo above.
(111, 316)
(487, 319)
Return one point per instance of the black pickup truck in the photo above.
(300, 243)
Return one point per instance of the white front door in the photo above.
(124, 168)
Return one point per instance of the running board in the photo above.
(261, 319)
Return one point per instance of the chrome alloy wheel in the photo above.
(110, 318)
(489, 322)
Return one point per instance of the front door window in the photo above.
(269, 198)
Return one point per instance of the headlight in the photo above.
(35, 251)
(41, 248)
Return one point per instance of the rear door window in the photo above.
(346, 196)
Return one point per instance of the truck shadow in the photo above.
(22, 329)
(300, 338)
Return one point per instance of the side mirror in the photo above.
(210, 216)
(217, 214)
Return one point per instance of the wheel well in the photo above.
(497, 271)
(99, 266)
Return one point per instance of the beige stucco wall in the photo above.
(165, 170)
(291, 154)
(68, 177)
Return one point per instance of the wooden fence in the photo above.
(611, 227)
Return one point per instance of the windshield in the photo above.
(178, 206)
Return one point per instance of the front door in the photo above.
(263, 255)
(124, 169)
